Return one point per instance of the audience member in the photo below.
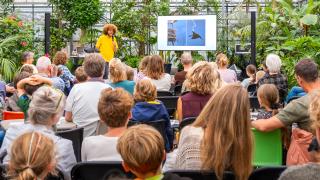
(82, 102)
(306, 72)
(115, 110)
(259, 75)
(129, 72)
(268, 97)
(60, 60)
(186, 61)
(81, 75)
(155, 71)
(142, 150)
(142, 67)
(310, 170)
(148, 108)
(118, 76)
(45, 69)
(32, 157)
(296, 91)
(202, 81)
(220, 139)
(30, 68)
(227, 75)
(274, 76)
(251, 73)
(27, 58)
(45, 109)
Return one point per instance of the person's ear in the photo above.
(125, 167)
(129, 115)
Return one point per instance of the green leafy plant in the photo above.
(133, 61)
(16, 37)
(5, 7)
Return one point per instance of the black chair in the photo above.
(57, 176)
(202, 175)
(186, 121)
(159, 125)
(76, 136)
(164, 93)
(177, 89)
(254, 103)
(267, 173)
(252, 89)
(97, 170)
(170, 102)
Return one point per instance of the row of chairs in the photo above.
(104, 170)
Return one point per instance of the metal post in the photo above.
(47, 33)
(253, 38)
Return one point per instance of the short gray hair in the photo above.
(42, 63)
(186, 58)
(273, 63)
(45, 103)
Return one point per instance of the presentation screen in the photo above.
(187, 32)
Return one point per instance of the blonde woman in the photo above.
(45, 110)
(202, 81)
(155, 71)
(220, 139)
(33, 157)
(118, 76)
(142, 67)
(227, 75)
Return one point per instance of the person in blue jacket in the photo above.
(148, 108)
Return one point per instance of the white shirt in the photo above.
(163, 84)
(100, 148)
(65, 155)
(83, 103)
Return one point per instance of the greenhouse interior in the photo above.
(160, 89)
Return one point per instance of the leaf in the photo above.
(309, 19)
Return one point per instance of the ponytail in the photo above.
(27, 174)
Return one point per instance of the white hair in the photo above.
(42, 63)
(273, 63)
(186, 58)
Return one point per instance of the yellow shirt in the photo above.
(105, 46)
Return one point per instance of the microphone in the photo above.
(113, 37)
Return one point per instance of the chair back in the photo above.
(170, 102)
(96, 170)
(10, 115)
(252, 89)
(177, 89)
(267, 173)
(268, 148)
(76, 136)
(254, 103)
(186, 121)
(164, 93)
(202, 175)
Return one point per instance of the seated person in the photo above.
(45, 110)
(60, 60)
(82, 102)
(268, 97)
(114, 109)
(295, 91)
(202, 81)
(310, 170)
(142, 68)
(141, 148)
(30, 68)
(33, 157)
(251, 73)
(27, 58)
(186, 61)
(227, 75)
(259, 75)
(306, 73)
(148, 108)
(26, 87)
(129, 72)
(155, 71)
(81, 75)
(118, 76)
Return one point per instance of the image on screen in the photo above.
(186, 32)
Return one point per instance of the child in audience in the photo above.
(33, 157)
(142, 150)
(26, 87)
(148, 108)
(130, 73)
(251, 73)
(142, 67)
(118, 76)
(114, 109)
(60, 60)
(81, 75)
(259, 75)
(268, 97)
